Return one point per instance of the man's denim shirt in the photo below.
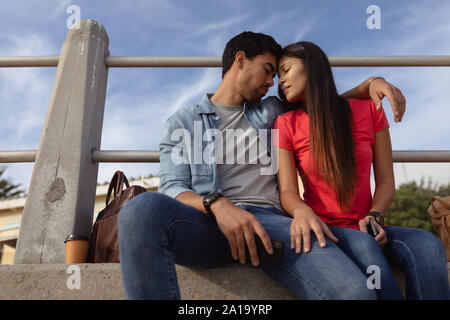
(194, 172)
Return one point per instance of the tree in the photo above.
(8, 189)
(410, 205)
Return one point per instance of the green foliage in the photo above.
(8, 189)
(410, 205)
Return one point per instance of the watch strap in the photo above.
(208, 200)
(379, 218)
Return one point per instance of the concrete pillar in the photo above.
(61, 195)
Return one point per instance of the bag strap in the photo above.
(119, 186)
(116, 184)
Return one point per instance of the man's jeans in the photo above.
(157, 231)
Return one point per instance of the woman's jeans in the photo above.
(156, 231)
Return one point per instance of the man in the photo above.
(213, 200)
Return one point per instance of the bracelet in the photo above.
(374, 78)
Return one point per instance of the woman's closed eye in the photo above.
(283, 71)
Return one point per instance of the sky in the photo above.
(138, 100)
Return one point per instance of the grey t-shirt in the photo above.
(243, 160)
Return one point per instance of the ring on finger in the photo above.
(298, 231)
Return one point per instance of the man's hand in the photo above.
(380, 88)
(239, 227)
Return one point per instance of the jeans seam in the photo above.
(292, 272)
(172, 266)
(349, 255)
(414, 270)
(173, 283)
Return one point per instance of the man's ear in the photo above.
(239, 58)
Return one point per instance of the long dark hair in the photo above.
(330, 133)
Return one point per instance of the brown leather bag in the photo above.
(439, 211)
(104, 242)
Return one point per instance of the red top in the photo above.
(294, 136)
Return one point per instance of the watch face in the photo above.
(212, 197)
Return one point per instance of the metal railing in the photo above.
(153, 156)
(60, 199)
(216, 62)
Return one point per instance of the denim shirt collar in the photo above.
(206, 106)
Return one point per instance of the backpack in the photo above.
(439, 211)
(104, 241)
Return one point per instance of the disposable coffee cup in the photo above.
(76, 248)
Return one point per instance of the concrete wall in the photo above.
(104, 281)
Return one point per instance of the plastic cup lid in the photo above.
(75, 237)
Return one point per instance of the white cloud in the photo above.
(309, 23)
(24, 97)
(60, 8)
(197, 88)
(24, 92)
(30, 45)
(221, 25)
(271, 21)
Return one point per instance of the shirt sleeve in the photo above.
(380, 121)
(284, 134)
(174, 178)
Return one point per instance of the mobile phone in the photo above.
(371, 229)
(274, 259)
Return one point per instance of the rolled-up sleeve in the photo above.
(174, 175)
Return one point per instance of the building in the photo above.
(11, 215)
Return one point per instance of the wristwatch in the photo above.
(209, 199)
(379, 218)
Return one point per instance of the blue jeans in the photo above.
(417, 253)
(156, 232)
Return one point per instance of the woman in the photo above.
(332, 142)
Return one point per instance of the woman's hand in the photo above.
(304, 221)
(380, 88)
(381, 237)
(376, 88)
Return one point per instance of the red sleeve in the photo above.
(380, 121)
(284, 134)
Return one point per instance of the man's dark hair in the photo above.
(252, 44)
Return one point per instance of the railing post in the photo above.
(62, 190)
